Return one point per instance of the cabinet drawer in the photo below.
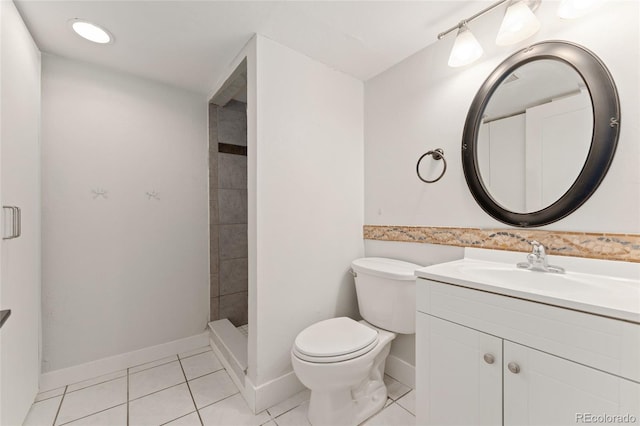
(606, 344)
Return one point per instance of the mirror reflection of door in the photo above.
(535, 135)
(556, 149)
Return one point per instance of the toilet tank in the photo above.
(386, 290)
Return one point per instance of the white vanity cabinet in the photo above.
(489, 359)
(550, 390)
(454, 384)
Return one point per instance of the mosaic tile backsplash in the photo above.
(624, 247)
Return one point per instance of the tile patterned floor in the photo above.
(184, 390)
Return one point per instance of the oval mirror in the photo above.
(540, 134)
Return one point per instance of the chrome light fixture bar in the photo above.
(472, 17)
(518, 23)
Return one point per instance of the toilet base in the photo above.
(350, 407)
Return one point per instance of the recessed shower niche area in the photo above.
(228, 219)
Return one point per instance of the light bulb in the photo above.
(466, 48)
(518, 24)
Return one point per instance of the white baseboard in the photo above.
(261, 397)
(277, 390)
(64, 376)
(401, 370)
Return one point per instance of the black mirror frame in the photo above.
(606, 130)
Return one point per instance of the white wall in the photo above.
(20, 186)
(421, 104)
(125, 272)
(305, 193)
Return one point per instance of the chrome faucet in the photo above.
(537, 260)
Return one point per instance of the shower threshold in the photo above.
(231, 343)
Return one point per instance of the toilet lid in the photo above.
(334, 337)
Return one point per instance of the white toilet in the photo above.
(342, 360)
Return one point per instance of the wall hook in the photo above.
(153, 194)
(99, 192)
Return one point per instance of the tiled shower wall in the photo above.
(228, 211)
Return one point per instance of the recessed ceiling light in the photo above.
(91, 32)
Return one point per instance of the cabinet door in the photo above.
(455, 384)
(19, 186)
(548, 390)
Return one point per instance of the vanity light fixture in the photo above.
(571, 9)
(90, 31)
(466, 48)
(518, 24)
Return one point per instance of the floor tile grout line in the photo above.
(177, 384)
(399, 397)
(403, 396)
(127, 374)
(403, 409)
(92, 414)
(45, 399)
(177, 418)
(174, 385)
(205, 374)
(220, 400)
(95, 384)
(396, 380)
(285, 412)
(157, 391)
(292, 408)
(59, 406)
(199, 353)
(190, 393)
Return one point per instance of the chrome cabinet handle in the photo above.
(513, 367)
(16, 222)
(488, 358)
(13, 223)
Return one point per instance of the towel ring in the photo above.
(437, 154)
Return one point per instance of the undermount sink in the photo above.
(596, 286)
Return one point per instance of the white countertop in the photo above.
(600, 287)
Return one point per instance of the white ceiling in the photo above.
(191, 43)
(537, 83)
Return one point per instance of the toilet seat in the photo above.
(334, 340)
